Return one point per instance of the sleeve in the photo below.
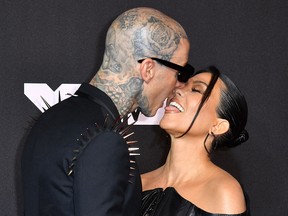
(101, 176)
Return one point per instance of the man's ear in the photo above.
(147, 69)
(221, 127)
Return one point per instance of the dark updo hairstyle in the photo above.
(232, 107)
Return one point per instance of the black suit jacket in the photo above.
(76, 163)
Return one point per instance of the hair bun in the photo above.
(243, 137)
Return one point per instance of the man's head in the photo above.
(141, 34)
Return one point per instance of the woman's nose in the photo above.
(178, 91)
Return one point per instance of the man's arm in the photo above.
(101, 176)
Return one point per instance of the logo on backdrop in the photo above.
(42, 96)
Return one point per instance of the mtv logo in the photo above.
(43, 97)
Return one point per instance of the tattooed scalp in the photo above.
(135, 34)
(139, 33)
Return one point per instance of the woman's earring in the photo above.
(205, 143)
(215, 143)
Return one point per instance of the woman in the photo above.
(207, 113)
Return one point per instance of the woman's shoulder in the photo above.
(229, 192)
(150, 179)
(221, 193)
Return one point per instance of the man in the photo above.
(76, 159)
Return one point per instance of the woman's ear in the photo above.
(147, 69)
(221, 127)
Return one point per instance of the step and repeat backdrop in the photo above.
(48, 48)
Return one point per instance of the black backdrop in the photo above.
(62, 41)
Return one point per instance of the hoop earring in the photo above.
(215, 143)
(205, 143)
(214, 147)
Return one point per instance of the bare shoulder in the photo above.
(145, 178)
(227, 194)
(218, 193)
(150, 180)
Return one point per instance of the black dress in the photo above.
(168, 202)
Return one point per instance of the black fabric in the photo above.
(168, 202)
(98, 97)
(72, 166)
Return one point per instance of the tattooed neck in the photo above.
(124, 94)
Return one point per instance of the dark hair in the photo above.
(232, 107)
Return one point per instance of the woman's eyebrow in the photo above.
(200, 82)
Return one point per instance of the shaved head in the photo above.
(136, 34)
(139, 33)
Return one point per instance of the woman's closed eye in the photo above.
(199, 89)
(196, 90)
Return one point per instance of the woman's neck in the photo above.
(187, 159)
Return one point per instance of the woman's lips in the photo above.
(174, 107)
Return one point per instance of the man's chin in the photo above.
(148, 113)
(151, 113)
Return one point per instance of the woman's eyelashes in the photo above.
(198, 89)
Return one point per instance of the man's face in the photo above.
(164, 81)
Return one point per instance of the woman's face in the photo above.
(182, 107)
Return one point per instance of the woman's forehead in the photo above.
(205, 78)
